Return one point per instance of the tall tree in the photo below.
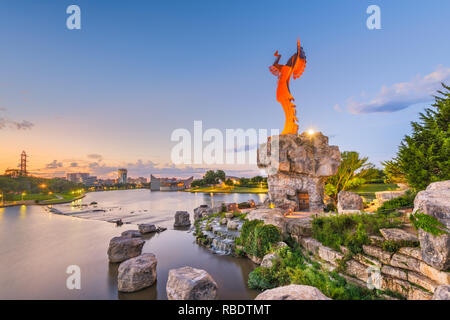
(424, 156)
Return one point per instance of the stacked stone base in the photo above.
(284, 188)
(403, 272)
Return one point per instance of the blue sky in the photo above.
(111, 93)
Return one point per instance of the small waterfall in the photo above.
(220, 238)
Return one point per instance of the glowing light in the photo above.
(311, 132)
(43, 186)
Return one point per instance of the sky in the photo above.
(110, 94)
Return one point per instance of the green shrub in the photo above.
(257, 238)
(351, 231)
(291, 268)
(262, 279)
(242, 216)
(427, 223)
(406, 200)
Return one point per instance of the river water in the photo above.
(37, 246)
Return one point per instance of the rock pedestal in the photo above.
(137, 273)
(188, 283)
(435, 202)
(124, 248)
(182, 219)
(297, 167)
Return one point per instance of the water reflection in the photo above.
(23, 211)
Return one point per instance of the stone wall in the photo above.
(403, 272)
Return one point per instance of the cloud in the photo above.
(95, 156)
(7, 123)
(337, 108)
(74, 164)
(53, 165)
(401, 95)
(23, 125)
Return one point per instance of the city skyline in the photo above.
(110, 95)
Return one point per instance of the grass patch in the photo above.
(406, 200)
(374, 187)
(351, 231)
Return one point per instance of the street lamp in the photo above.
(23, 194)
(1, 198)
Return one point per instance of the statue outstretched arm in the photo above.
(275, 68)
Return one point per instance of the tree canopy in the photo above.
(424, 156)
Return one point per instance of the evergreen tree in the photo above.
(424, 156)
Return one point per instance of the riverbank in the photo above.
(228, 189)
(40, 201)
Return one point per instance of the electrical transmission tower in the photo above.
(23, 163)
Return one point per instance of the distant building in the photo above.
(122, 176)
(77, 177)
(106, 182)
(155, 183)
(138, 181)
(90, 181)
(169, 184)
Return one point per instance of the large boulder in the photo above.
(269, 216)
(146, 228)
(297, 166)
(267, 261)
(203, 211)
(124, 248)
(442, 293)
(137, 273)
(349, 202)
(182, 219)
(188, 283)
(292, 292)
(435, 202)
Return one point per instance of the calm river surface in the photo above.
(36, 247)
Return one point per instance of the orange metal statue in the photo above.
(295, 67)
